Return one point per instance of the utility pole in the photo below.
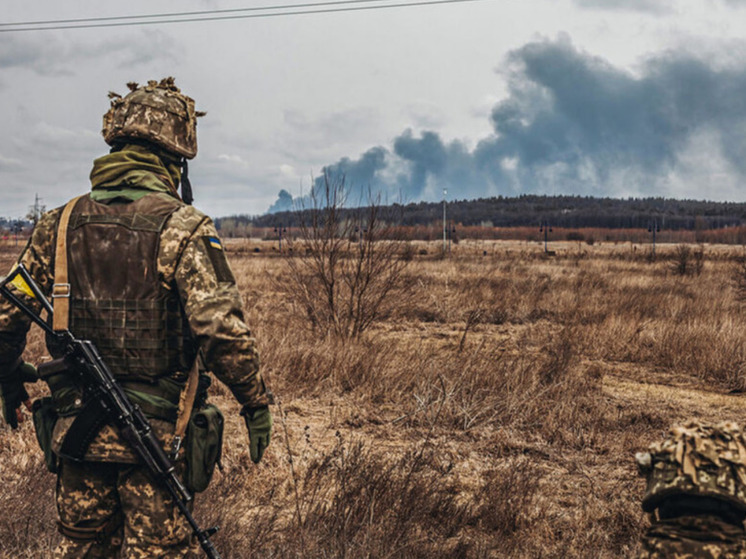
(546, 229)
(445, 227)
(35, 211)
(361, 232)
(17, 228)
(654, 228)
(280, 230)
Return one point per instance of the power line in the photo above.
(184, 14)
(134, 20)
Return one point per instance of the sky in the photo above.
(492, 97)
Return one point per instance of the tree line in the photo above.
(531, 210)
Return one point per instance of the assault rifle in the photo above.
(81, 359)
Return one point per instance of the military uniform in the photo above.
(149, 284)
(696, 493)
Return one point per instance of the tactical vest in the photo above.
(117, 299)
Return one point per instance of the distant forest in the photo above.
(531, 210)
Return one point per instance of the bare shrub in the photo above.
(26, 496)
(738, 276)
(359, 504)
(682, 260)
(504, 503)
(699, 259)
(352, 264)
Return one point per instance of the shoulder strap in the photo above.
(61, 288)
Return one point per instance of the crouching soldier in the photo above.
(696, 493)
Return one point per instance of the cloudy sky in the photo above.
(598, 97)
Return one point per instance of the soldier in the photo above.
(696, 493)
(134, 268)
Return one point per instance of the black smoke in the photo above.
(572, 123)
(284, 203)
(363, 177)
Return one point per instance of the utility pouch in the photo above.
(45, 417)
(203, 447)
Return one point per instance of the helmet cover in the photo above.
(158, 113)
(699, 460)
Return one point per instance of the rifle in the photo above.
(82, 359)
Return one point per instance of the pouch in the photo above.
(203, 447)
(45, 418)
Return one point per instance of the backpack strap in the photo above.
(61, 287)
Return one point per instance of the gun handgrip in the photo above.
(50, 368)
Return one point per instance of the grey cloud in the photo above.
(10, 164)
(134, 54)
(50, 56)
(650, 6)
(58, 143)
(426, 115)
(21, 52)
(335, 127)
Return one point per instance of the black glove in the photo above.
(259, 423)
(12, 392)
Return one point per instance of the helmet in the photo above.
(699, 460)
(158, 113)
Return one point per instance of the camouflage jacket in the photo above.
(209, 297)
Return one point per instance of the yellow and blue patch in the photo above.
(214, 242)
(216, 253)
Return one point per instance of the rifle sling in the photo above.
(83, 430)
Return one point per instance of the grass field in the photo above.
(493, 411)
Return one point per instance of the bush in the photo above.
(344, 286)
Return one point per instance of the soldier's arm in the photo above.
(14, 324)
(37, 257)
(214, 309)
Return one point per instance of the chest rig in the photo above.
(113, 291)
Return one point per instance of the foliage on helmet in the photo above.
(158, 113)
(699, 460)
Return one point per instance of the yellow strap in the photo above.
(186, 404)
(61, 287)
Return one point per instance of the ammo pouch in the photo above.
(45, 418)
(203, 447)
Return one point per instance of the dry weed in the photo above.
(491, 411)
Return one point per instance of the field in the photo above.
(493, 410)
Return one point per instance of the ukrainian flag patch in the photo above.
(215, 243)
(215, 251)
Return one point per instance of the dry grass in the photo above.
(492, 412)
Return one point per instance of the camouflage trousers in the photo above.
(139, 520)
(690, 537)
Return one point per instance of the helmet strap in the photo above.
(186, 186)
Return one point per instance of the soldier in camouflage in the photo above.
(696, 493)
(150, 285)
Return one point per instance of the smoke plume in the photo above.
(572, 123)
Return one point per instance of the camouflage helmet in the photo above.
(699, 460)
(157, 113)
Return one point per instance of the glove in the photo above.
(13, 393)
(259, 423)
